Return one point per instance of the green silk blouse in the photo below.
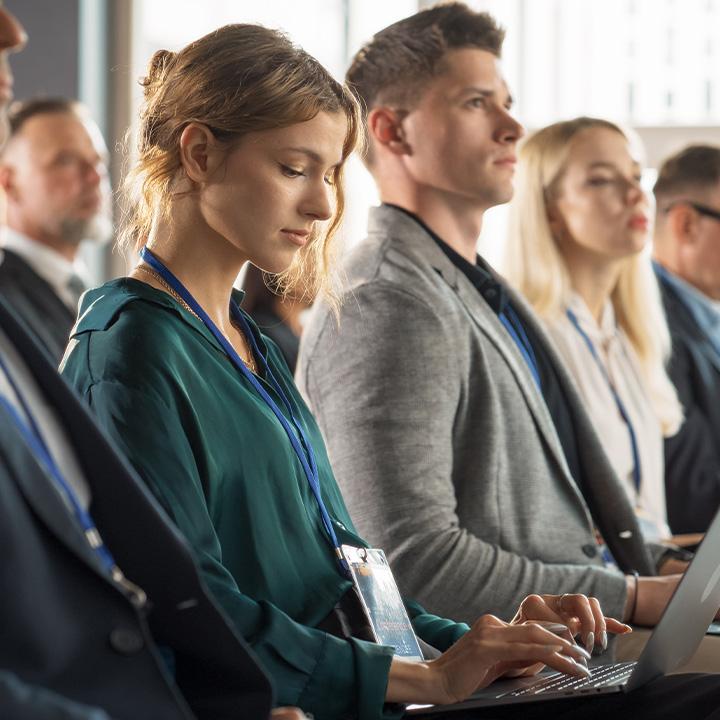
(222, 467)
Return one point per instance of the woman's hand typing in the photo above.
(541, 634)
(582, 615)
(489, 650)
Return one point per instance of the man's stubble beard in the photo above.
(97, 229)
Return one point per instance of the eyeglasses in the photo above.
(697, 207)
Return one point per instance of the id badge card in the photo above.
(381, 600)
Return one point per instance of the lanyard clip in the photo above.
(136, 594)
(93, 538)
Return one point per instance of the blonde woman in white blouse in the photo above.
(578, 228)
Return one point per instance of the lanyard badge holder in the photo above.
(381, 601)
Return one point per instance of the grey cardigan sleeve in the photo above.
(386, 386)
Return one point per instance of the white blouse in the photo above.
(621, 365)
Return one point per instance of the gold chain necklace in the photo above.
(249, 363)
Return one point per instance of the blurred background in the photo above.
(652, 65)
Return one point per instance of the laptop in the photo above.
(686, 620)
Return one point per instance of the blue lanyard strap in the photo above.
(30, 431)
(637, 474)
(298, 439)
(511, 321)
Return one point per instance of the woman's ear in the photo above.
(197, 144)
(385, 127)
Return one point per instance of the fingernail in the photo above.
(556, 628)
(603, 640)
(590, 641)
(582, 669)
(583, 652)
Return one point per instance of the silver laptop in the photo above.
(675, 639)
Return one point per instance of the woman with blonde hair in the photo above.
(577, 234)
(241, 151)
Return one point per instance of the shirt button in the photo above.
(126, 641)
(590, 550)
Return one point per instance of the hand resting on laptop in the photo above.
(493, 648)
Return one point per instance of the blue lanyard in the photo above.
(31, 432)
(517, 333)
(637, 475)
(303, 448)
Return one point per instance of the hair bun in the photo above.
(157, 69)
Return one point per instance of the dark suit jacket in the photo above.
(692, 456)
(70, 640)
(36, 303)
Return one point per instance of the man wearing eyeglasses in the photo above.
(687, 263)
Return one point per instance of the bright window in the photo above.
(651, 64)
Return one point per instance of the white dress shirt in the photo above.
(46, 419)
(50, 265)
(614, 351)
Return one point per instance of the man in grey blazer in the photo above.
(460, 444)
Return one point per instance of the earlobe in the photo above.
(6, 180)
(196, 144)
(386, 128)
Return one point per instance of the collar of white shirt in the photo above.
(47, 263)
(600, 333)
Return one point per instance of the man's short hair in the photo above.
(692, 170)
(396, 65)
(22, 110)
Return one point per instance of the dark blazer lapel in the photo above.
(36, 302)
(700, 343)
(100, 462)
(685, 325)
(709, 351)
(32, 283)
(39, 490)
(604, 494)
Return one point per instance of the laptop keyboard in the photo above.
(602, 676)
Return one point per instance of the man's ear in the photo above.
(385, 126)
(197, 144)
(683, 223)
(7, 176)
